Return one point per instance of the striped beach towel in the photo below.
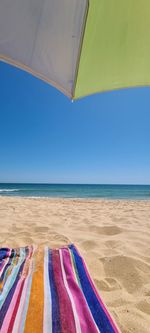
(50, 291)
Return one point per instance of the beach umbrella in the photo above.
(79, 46)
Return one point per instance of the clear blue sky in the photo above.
(44, 137)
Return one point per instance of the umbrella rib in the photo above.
(80, 47)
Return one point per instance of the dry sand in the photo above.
(113, 237)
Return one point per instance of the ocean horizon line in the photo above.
(70, 183)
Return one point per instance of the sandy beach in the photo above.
(112, 236)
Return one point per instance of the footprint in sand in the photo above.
(144, 306)
(127, 270)
(60, 237)
(89, 245)
(107, 284)
(107, 230)
(15, 228)
(113, 244)
(41, 229)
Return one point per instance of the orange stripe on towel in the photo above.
(34, 320)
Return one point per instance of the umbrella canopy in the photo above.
(79, 46)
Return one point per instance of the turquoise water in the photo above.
(76, 191)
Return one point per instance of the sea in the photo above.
(129, 192)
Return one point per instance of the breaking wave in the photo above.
(8, 190)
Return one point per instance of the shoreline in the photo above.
(90, 199)
(113, 236)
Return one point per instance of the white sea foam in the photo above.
(8, 190)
